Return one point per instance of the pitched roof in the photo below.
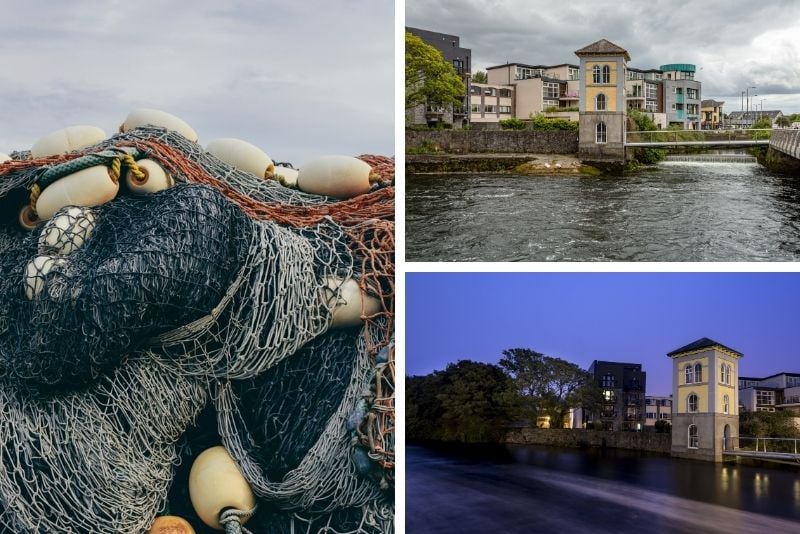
(747, 115)
(603, 47)
(710, 103)
(701, 343)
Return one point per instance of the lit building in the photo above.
(657, 409)
(776, 392)
(705, 408)
(450, 48)
(623, 404)
(712, 114)
(681, 95)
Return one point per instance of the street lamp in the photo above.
(748, 102)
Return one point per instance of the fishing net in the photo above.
(122, 324)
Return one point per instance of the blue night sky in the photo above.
(580, 317)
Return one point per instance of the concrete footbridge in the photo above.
(697, 138)
(781, 450)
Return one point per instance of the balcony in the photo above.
(634, 96)
(569, 96)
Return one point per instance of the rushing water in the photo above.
(539, 489)
(678, 211)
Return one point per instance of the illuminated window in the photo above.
(691, 403)
(694, 440)
(600, 102)
(765, 397)
(600, 132)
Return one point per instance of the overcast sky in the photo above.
(734, 43)
(297, 79)
(623, 317)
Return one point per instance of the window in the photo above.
(725, 374)
(459, 66)
(600, 102)
(573, 73)
(609, 381)
(694, 440)
(691, 93)
(475, 90)
(765, 397)
(505, 109)
(698, 372)
(505, 93)
(691, 403)
(601, 75)
(689, 374)
(673, 107)
(549, 90)
(650, 106)
(651, 91)
(726, 404)
(600, 133)
(651, 415)
(487, 108)
(490, 91)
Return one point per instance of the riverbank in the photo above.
(584, 439)
(521, 164)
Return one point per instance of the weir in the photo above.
(712, 158)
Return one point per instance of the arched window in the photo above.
(600, 132)
(596, 74)
(728, 374)
(722, 373)
(606, 74)
(698, 372)
(726, 404)
(691, 403)
(689, 370)
(694, 440)
(600, 102)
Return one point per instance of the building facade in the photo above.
(776, 392)
(713, 117)
(657, 409)
(602, 105)
(623, 404)
(491, 103)
(746, 119)
(452, 52)
(705, 409)
(682, 95)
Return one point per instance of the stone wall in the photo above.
(783, 154)
(579, 439)
(498, 142)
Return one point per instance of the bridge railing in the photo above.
(701, 136)
(755, 444)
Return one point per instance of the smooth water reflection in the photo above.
(541, 489)
(676, 212)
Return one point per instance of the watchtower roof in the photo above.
(702, 343)
(603, 47)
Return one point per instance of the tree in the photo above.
(767, 425)
(429, 78)
(480, 77)
(784, 121)
(549, 386)
(643, 123)
(467, 402)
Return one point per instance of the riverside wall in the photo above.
(582, 439)
(783, 154)
(495, 141)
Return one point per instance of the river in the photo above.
(675, 211)
(529, 489)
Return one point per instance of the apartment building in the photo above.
(746, 119)
(537, 88)
(490, 102)
(682, 95)
(644, 91)
(712, 114)
(776, 392)
(623, 387)
(450, 48)
(657, 409)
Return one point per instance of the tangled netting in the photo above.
(137, 333)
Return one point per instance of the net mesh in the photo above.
(137, 333)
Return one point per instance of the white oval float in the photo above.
(348, 302)
(170, 524)
(335, 176)
(67, 231)
(215, 483)
(89, 187)
(155, 117)
(243, 156)
(286, 176)
(35, 273)
(4, 157)
(155, 178)
(67, 140)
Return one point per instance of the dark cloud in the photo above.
(734, 43)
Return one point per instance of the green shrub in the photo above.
(540, 122)
(512, 124)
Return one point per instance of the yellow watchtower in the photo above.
(705, 405)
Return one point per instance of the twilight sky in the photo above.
(581, 317)
(735, 44)
(297, 79)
